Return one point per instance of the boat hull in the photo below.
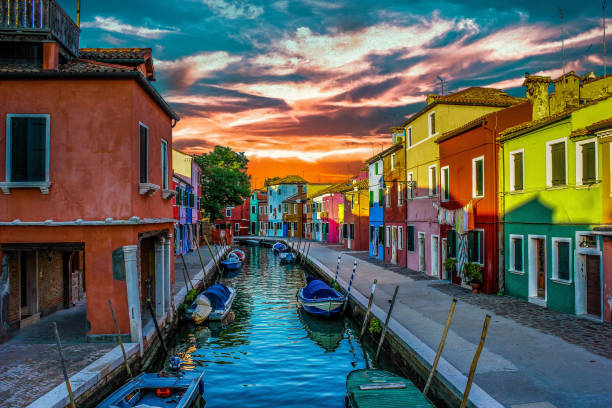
(369, 388)
(231, 265)
(216, 314)
(321, 307)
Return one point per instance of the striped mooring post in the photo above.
(348, 291)
(337, 269)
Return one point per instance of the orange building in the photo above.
(84, 178)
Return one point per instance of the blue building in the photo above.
(377, 224)
(278, 191)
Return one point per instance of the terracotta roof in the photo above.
(334, 188)
(291, 179)
(295, 197)
(571, 73)
(385, 152)
(536, 78)
(360, 185)
(84, 65)
(588, 130)
(115, 53)
(261, 197)
(474, 96)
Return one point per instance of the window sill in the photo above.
(42, 185)
(562, 282)
(516, 272)
(556, 187)
(167, 194)
(516, 191)
(147, 188)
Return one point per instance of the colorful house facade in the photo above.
(394, 170)
(355, 229)
(469, 171)
(376, 246)
(555, 197)
(442, 114)
(85, 211)
(186, 203)
(279, 190)
(255, 225)
(292, 214)
(262, 215)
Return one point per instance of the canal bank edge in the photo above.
(108, 370)
(419, 354)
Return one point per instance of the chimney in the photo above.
(537, 94)
(567, 93)
(431, 98)
(50, 56)
(300, 188)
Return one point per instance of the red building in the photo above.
(262, 215)
(235, 223)
(394, 203)
(85, 202)
(356, 213)
(469, 173)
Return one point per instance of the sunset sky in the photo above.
(311, 87)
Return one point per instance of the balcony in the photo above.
(40, 19)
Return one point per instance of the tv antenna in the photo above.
(441, 83)
(603, 14)
(562, 40)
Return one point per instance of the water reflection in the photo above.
(272, 354)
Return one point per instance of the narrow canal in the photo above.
(272, 354)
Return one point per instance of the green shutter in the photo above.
(588, 163)
(451, 244)
(558, 164)
(381, 236)
(376, 168)
(518, 254)
(563, 260)
(371, 198)
(371, 233)
(446, 191)
(380, 197)
(518, 171)
(410, 238)
(479, 178)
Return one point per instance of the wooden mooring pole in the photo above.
(337, 269)
(367, 314)
(159, 334)
(201, 263)
(440, 347)
(483, 336)
(125, 359)
(63, 364)
(348, 291)
(212, 255)
(186, 271)
(384, 330)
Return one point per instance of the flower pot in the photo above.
(475, 287)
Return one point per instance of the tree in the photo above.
(224, 181)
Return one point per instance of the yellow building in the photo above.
(181, 163)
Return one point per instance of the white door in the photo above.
(435, 252)
(422, 267)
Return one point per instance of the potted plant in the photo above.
(473, 275)
(449, 266)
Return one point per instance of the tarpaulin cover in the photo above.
(218, 295)
(310, 278)
(318, 289)
(279, 246)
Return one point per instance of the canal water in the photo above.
(272, 354)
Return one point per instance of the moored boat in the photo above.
(251, 242)
(319, 299)
(238, 253)
(181, 389)
(231, 263)
(218, 298)
(287, 257)
(279, 247)
(369, 388)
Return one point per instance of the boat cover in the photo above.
(279, 246)
(310, 278)
(317, 289)
(218, 295)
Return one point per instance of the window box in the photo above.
(147, 188)
(42, 185)
(168, 194)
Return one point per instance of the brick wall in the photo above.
(50, 281)
(14, 297)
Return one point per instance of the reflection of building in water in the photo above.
(327, 333)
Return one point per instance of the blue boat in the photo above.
(287, 257)
(279, 247)
(218, 298)
(318, 299)
(231, 263)
(181, 389)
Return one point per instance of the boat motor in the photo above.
(175, 365)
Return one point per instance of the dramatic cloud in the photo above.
(234, 9)
(113, 25)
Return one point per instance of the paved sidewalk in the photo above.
(523, 362)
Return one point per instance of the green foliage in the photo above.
(472, 272)
(449, 264)
(224, 181)
(182, 311)
(190, 297)
(337, 286)
(375, 326)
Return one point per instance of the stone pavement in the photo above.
(526, 359)
(29, 361)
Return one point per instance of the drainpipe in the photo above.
(501, 242)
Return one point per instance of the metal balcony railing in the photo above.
(40, 16)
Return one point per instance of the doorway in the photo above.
(28, 285)
(394, 245)
(435, 252)
(593, 286)
(537, 269)
(422, 267)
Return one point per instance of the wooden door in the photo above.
(541, 267)
(593, 286)
(394, 245)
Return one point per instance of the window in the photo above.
(279, 208)
(393, 161)
(516, 253)
(371, 198)
(380, 196)
(556, 163)
(371, 233)
(352, 231)
(376, 168)
(410, 238)
(144, 153)
(164, 152)
(387, 240)
(433, 182)
(517, 170)
(476, 246)
(451, 244)
(586, 162)
(279, 191)
(562, 258)
(252, 209)
(27, 148)
(400, 237)
(387, 197)
(381, 235)
(444, 188)
(400, 195)
(409, 136)
(295, 208)
(411, 187)
(284, 208)
(270, 208)
(237, 227)
(478, 177)
(344, 231)
(432, 123)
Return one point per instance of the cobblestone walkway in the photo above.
(593, 336)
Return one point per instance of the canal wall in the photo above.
(92, 384)
(408, 353)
